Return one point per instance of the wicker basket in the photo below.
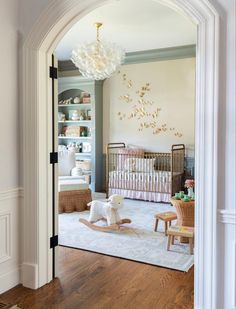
(185, 214)
(84, 164)
(75, 200)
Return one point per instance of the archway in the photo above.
(37, 50)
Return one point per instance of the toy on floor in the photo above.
(108, 211)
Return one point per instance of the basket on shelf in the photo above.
(71, 131)
(84, 164)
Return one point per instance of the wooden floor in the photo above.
(89, 280)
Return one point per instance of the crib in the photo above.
(150, 176)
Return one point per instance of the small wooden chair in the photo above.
(167, 217)
(184, 231)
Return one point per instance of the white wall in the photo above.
(9, 146)
(30, 11)
(172, 89)
(9, 94)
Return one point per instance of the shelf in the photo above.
(87, 173)
(74, 137)
(76, 121)
(83, 154)
(82, 105)
(71, 87)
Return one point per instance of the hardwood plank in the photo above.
(94, 281)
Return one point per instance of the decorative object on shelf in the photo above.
(71, 131)
(84, 164)
(76, 171)
(61, 148)
(89, 114)
(81, 116)
(80, 145)
(76, 100)
(71, 112)
(87, 147)
(83, 131)
(65, 102)
(75, 115)
(98, 60)
(189, 184)
(73, 146)
(61, 116)
(89, 132)
(85, 97)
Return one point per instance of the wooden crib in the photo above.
(137, 174)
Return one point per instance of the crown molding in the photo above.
(67, 68)
(162, 54)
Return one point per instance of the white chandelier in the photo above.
(98, 60)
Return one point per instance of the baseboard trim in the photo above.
(29, 275)
(227, 216)
(9, 280)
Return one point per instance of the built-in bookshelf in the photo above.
(80, 122)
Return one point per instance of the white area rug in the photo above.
(136, 241)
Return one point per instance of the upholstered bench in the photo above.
(74, 195)
(183, 231)
(167, 217)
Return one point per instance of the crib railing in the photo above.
(137, 171)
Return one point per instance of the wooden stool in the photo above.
(167, 217)
(184, 231)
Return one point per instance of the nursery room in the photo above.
(125, 135)
(122, 119)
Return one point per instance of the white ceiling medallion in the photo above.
(98, 60)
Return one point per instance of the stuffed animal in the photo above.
(109, 210)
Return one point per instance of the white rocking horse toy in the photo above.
(107, 211)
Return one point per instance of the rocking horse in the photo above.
(107, 211)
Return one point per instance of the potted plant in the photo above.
(189, 184)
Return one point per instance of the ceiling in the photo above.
(134, 24)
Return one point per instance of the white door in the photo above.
(53, 160)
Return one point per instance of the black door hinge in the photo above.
(53, 241)
(53, 72)
(53, 157)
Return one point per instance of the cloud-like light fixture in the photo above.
(98, 60)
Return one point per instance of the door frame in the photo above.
(38, 47)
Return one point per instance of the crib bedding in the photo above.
(155, 185)
(142, 195)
